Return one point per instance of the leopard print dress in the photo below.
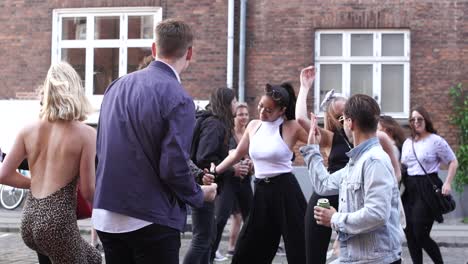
(49, 227)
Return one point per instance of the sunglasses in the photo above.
(275, 95)
(416, 119)
(341, 119)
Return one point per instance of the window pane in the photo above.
(138, 58)
(330, 78)
(140, 27)
(392, 88)
(331, 45)
(73, 28)
(393, 45)
(361, 79)
(106, 68)
(107, 27)
(361, 45)
(77, 59)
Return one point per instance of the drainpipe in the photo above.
(243, 15)
(230, 45)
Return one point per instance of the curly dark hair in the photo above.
(220, 106)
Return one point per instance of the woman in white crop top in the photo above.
(279, 204)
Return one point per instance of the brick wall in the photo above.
(280, 41)
(25, 41)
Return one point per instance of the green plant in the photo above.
(460, 119)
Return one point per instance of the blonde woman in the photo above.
(61, 152)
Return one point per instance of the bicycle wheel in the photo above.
(11, 197)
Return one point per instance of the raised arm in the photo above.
(323, 182)
(307, 78)
(8, 173)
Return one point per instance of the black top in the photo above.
(211, 142)
(340, 145)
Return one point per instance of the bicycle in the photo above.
(11, 197)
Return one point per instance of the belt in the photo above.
(269, 180)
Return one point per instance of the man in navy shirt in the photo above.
(143, 179)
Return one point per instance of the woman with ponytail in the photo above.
(278, 205)
(61, 153)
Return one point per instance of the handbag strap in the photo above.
(422, 167)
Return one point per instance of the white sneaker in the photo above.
(219, 257)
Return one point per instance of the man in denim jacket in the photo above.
(367, 221)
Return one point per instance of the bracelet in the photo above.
(213, 171)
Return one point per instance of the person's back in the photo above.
(54, 151)
(143, 179)
(61, 151)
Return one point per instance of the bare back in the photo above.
(56, 152)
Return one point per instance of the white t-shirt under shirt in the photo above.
(431, 151)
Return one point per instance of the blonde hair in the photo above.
(332, 115)
(62, 95)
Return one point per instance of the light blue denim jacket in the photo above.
(367, 220)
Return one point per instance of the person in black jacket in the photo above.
(210, 144)
(237, 192)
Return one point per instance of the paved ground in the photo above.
(452, 237)
(13, 250)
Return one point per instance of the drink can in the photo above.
(323, 202)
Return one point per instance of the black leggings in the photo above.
(317, 237)
(278, 210)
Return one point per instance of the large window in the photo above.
(372, 62)
(103, 44)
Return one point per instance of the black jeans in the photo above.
(234, 189)
(203, 230)
(150, 244)
(317, 237)
(278, 209)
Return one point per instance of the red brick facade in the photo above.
(25, 41)
(280, 41)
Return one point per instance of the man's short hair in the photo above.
(363, 110)
(173, 38)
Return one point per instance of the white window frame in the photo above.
(346, 60)
(90, 43)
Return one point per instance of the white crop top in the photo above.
(271, 156)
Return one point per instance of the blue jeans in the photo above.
(203, 230)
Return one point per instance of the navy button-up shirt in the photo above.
(144, 136)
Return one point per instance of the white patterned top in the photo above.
(431, 151)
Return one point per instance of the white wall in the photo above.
(15, 114)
